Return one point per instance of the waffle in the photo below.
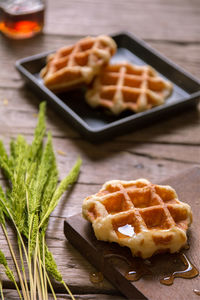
(73, 65)
(147, 218)
(125, 86)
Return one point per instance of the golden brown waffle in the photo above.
(125, 86)
(73, 65)
(145, 217)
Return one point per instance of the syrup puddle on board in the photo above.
(197, 292)
(96, 277)
(189, 273)
(137, 272)
(138, 268)
(187, 247)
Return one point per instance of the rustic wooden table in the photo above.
(155, 152)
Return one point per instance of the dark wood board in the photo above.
(79, 232)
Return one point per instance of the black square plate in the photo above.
(95, 124)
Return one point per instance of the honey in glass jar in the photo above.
(21, 19)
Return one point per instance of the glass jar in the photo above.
(21, 19)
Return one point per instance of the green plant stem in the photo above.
(41, 272)
(35, 271)
(68, 290)
(23, 268)
(40, 282)
(44, 265)
(15, 261)
(51, 287)
(18, 291)
(1, 291)
(31, 278)
(22, 242)
(29, 258)
(40, 292)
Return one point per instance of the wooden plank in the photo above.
(133, 164)
(12, 295)
(176, 20)
(185, 55)
(100, 163)
(20, 112)
(79, 232)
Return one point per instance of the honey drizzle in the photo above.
(96, 277)
(197, 292)
(190, 272)
(187, 247)
(139, 268)
(136, 272)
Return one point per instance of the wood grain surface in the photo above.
(156, 152)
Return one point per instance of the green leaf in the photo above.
(50, 185)
(69, 179)
(39, 132)
(8, 271)
(33, 235)
(18, 193)
(10, 274)
(3, 260)
(2, 209)
(2, 219)
(51, 265)
(42, 174)
(4, 162)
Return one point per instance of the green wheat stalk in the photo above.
(32, 194)
(8, 273)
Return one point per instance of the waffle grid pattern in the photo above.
(153, 212)
(125, 86)
(73, 65)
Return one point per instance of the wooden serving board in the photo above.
(104, 257)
